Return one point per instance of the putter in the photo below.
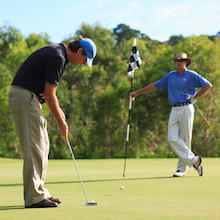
(88, 203)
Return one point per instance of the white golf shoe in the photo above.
(198, 165)
(179, 174)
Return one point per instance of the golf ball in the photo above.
(122, 187)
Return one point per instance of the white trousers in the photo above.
(180, 135)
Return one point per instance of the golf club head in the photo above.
(91, 203)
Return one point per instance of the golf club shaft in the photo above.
(204, 118)
(77, 170)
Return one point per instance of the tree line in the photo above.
(95, 100)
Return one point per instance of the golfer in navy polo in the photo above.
(36, 82)
(181, 84)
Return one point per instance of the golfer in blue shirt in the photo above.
(181, 84)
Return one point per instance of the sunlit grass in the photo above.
(150, 191)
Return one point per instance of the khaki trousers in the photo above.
(180, 135)
(31, 127)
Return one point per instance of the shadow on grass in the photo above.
(91, 181)
(11, 184)
(111, 180)
(12, 207)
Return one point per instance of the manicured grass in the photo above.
(150, 190)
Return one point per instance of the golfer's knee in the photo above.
(172, 140)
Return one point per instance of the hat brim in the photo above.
(89, 62)
(188, 60)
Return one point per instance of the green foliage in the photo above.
(175, 40)
(9, 36)
(95, 100)
(124, 32)
(36, 41)
(9, 146)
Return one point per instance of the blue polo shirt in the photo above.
(178, 85)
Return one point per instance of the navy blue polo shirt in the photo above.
(178, 85)
(44, 65)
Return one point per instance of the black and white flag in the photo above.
(135, 59)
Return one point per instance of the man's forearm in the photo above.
(53, 105)
(146, 89)
(203, 91)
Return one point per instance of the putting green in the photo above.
(150, 191)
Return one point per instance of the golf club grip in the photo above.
(206, 121)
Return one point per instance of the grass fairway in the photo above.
(150, 190)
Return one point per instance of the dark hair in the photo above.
(74, 47)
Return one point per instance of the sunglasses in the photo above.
(178, 60)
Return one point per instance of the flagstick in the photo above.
(128, 126)
(134, 63)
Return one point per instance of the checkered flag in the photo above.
(135, 59)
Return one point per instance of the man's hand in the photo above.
(133, 95)
(63, 126)
(191, 98)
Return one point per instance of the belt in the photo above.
(181, 104)
(41, 100)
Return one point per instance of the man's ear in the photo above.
(80, 50)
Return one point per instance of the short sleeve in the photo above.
(162, 83)
(54, 68)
